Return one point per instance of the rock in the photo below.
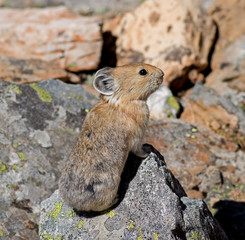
(192, 151)
(228, 14)
(205, 107)
(173, 35)
(34, 70)
(53, 35)
(162, 104)
(227, 204)
(152, 205)
(39, 124)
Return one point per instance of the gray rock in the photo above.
(152, 205)
(39, 125)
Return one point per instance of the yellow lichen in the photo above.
(15, 88)
(43, 94)
(111, 214)
(3, 168)
(140, 237)
(131, 225)
(155, 236)
(68, 213)
(173, 103)
(80, 224)
(21, 156)
(54, 213)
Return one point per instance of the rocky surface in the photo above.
(206, 108)
(30, 70)
(38, 127)
(153, 205)
(148, 34)
(53, 35)
(39, 122)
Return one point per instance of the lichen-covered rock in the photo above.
(174, 35)
(39, 124)
(152, 205)
(53, 35)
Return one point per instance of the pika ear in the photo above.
(104, 82)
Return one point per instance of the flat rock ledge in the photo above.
(152, 205)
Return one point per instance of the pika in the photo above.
(113, 127)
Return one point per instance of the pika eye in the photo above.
(143, 72)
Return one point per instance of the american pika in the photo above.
(113, 127)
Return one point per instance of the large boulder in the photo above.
(53, 35)
(152, 205)
(39, 124)
(174, 35)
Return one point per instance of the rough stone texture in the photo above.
(152, 206)
(228, 16)
(82, 6)
(53, 35)
(205, 107)
(162, 104)
(227, 204)
(198, 157)
(174, 35)
(28, 71)
(39, 125)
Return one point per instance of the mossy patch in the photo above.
(1, 233)
(43, 94)
(173, 103)
(54, 213)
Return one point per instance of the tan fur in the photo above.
(114, 127)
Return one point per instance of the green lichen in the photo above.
(3, 168)
(1, 233)
(86, 110)
(21, 156)
(15, 88)
(10, 186)
(68, 213)
(15, 145)
(54, 213)
(131, 225)
(140, 237)
(195, 236)
(80, 224)
(173, 103)
(43, 94)
(155, 236)
(50, 237)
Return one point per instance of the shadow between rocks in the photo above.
(231, 217)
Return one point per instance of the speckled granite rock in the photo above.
(152, 205)
(38, 127)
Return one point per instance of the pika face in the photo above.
(113, 127)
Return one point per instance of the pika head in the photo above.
(133, 82)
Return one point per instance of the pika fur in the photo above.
(113, 127)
